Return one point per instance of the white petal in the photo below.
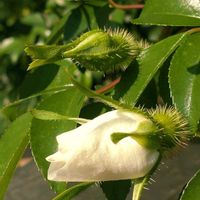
(87, 153)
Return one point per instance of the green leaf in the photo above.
(184, 79)
(163, 83)
(172, 13)
(43, 133)
(102, 98)
(106, 99)
(72, 191)
(102, 16)
(17, 108)
(149, 96)
(56, 80)
(89, 13)
(76, 24)
(4, 123)
(55, 76)
(192, 189)
(12, 145)
(116, 190)
(136, 78)
(92, 110)
(97, 17)
(58, 29)
(34, 19)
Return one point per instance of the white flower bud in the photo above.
(88, 153)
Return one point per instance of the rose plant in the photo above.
(104, 99)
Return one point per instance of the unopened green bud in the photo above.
(102, 50)
(97, 50)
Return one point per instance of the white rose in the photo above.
(88, 153)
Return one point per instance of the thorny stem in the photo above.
(140, 183)
(138, 187)
(126, 7)
(109, 86)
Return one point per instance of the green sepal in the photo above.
(146, 135)
(45, 54)
(148, 140)
(48, 115)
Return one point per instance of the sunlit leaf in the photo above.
(137, 76)
(12, 145)
(184, 79)
(44, 132)
(171, 13)
(192, 189)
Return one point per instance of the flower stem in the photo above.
(108, 87)
(141, 182)
(126, 7)
(193, 30)
(138, 187)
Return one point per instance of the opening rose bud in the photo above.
(88, 153)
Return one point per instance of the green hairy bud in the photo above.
(106, 51)
(97, 50)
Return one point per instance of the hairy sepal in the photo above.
(104, 50)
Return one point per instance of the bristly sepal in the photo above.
(173, 130)
(105, 50)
